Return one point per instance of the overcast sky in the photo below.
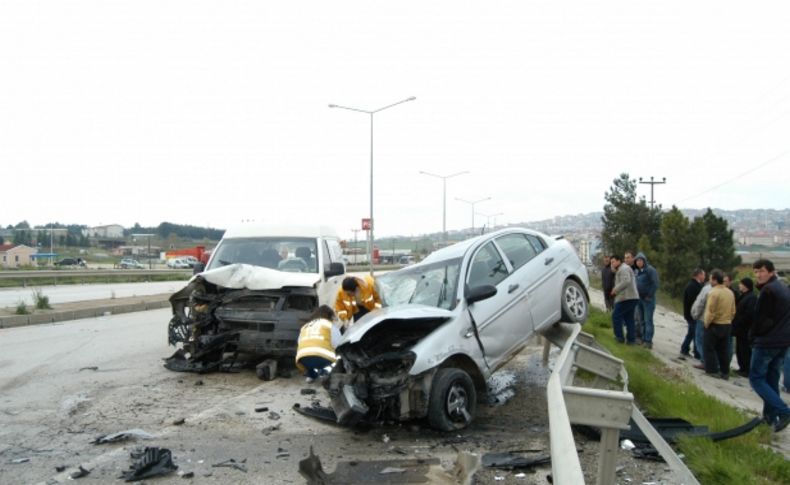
(210, 113)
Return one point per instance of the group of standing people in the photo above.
(630, 285)
(759, 322)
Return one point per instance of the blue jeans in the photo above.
(314, 365)
(699, 339)
(685, 347)
(646, 309)
(787, 372)
(624, 314)
(764, 378)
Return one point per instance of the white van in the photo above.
(260, 286)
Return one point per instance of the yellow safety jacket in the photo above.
(315, 340)
(346, 305)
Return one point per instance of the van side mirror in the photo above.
(335, 269)
(198, 268)
(479, 293)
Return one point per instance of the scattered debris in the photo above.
(93, 367)
(392, 469)
(186, 474)
(179, 421)
(20, 460)
(499, 478)
(627, 445)
(199, 382)
(266, 370)
(81, 472)
(60, 468)
(150, 462)
(282, 454)
(385, 438)
(316, 411)
(307, 391)
(269, 429)
(520, 475)
(397, 450)
(512, 461)
(311, 469)
(122, 436)
(231, 463)
(273, 415)
(261, 409)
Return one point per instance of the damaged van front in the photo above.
(260, 286)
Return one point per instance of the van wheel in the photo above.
(453, 400)
(575, 306)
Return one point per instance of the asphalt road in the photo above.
(69, 293)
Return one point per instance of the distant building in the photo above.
(16, 255)
(111, 231)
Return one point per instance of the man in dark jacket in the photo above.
(647, 285)
(689, 295)
(742, 325)
(771, 332)
(607, 282)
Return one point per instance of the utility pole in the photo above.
(652, 184)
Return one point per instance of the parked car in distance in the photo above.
(71, 262)
(449, 322)
(128, 263)
(178, 263)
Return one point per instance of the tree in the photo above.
(627, 219)
(718, 250)
(679, 255)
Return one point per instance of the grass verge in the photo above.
(663, 392)
(88, 279)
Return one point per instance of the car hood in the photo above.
(239, 276)
(401, 312)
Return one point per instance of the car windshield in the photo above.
(296, 255)
(432, 284)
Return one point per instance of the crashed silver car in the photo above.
(260, 286)
(449, 322)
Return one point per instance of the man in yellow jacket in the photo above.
(317, 341)
(355, 298)
(719, 311)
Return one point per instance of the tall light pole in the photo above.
(371, 113)
(472, 203)
(444, 196)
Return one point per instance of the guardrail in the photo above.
(77, 273)
(605, 409)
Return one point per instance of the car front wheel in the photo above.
(575, 306)
(453, 400)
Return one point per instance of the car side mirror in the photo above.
(479, 293)
(334, 270)
(198, 268)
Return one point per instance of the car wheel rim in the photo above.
(575, 302)
(456, 403)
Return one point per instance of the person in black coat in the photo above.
(742, 325)
(693, 288)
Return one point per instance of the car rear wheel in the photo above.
(453, 400)
(575, 306)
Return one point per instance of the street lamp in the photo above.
(371, 113)
(149, 245)
(472, 203)
(488, 218)
(444, 196)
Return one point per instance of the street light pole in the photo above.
(472, 203)
(488, 218)
(371, 113)
(444, 196)
(355, 231)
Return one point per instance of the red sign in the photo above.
(366, 224)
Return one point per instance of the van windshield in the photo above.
(295, 255)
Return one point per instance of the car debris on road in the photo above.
(149, 462)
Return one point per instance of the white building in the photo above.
(110, 231)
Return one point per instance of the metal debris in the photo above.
(122, 436)
(150, 462)
(81, 472)
(231, 463)
(93, 367)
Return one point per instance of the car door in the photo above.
(502, 323)
(548, 275)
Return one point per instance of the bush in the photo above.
(21, 308)
(41, 300)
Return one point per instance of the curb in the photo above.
(92, 312)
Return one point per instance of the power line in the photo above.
(769, 161)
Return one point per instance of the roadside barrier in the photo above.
(609, 410)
